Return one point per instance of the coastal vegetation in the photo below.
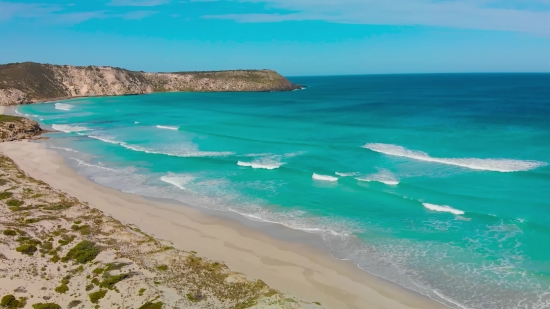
(54, 264)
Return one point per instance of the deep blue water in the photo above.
(439, 183)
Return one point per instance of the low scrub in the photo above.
(84, 252)
(10, 302)
(46, 306)
(96, 296)
(27, 249)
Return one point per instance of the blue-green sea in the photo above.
(439, 183)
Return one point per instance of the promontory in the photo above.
(30, 82)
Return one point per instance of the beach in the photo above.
(290, 267)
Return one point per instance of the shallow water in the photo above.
(439, 183)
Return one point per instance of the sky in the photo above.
(294, 37)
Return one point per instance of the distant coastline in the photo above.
(29, 82)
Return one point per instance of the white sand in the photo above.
(289, 267)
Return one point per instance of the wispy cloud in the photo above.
(10, 10)
(138, 2)
(508, 15)
(61, 14)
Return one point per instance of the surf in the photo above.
(443, 208)
(63, 106)
(257, 165)
(495, 165)
(68, 129)
(173, 128)
(178, 181)
(324, 177)
(383, 176)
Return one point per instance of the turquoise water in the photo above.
(439, 183)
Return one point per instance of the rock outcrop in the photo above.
(29, 82)
(17, 128)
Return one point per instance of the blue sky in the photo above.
(294, 37)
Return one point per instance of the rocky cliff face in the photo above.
(22, 83)
(17, 128)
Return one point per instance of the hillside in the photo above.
(29, 82)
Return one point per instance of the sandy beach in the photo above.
(290, 267)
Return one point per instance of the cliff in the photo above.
(16, 128)
(29, 82)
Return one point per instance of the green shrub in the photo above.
(66, 241)
(4, 195)
(46, 306)
(77, 222)
(74, 303)
(9, 301)
(28, 249)
(62, 288)
(98, 271)
(9, 232)
(84, 252)
(162, 267)
(14, 203)
(151, 305)
(114, 266)
(141, 291)
(110, 281)
(96, 296)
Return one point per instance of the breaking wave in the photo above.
(443, 208)
(168, 128)
(63, 106)
(260, 165)
(324, 177)
(384, 176)
(347, 174)
(178, 181)
(189, 151)
(68, 129)
(496, 165)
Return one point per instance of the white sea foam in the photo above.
(384, 176)
(187, 153)
(324, 177)
(260, 165)
(68, 129)
(443, 208)
(136, 122)
(347, 174)
(178, 181)
(62, 148)
(497, 165)
(63, 106)
(80, 162)
(168, 127)
(105, 139)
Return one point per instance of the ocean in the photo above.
(439, 183)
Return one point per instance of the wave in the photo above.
(260, 165)
(136, 122)
(496, 165)
(178, 181)
(347, 174)
(324, 177)
(68, 129)
(105, 139)
(63, 106)
(443, 208)
(168, 128)
(384, 176)
(62, 148)
(186, 153)
(80, 162)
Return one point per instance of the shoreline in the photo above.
(289, 266)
